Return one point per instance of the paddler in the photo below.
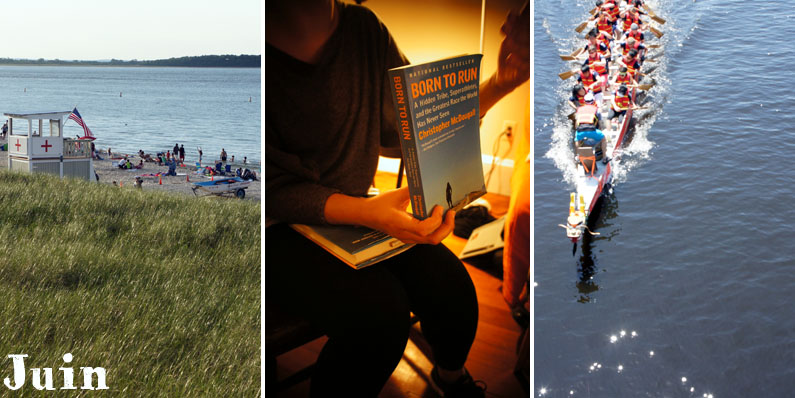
(632, 44)
(634, 33)
(629, 17)
(601, 46)
(630, 61)
(577, 98)
(597, 62)
(587, 122)
(604, 24)
(591, 81)
(620, 103)
(622, 78)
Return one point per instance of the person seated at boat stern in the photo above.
(587, 127)
(328, 113)
(591, 81)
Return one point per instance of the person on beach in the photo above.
(175, 151)
(109, 153)
(5, 129)
(182, 153)
(200, 154)
(172, 167)
(93, 150)
(232, 160)
(245, 160)
(318, 170)
(168, 156)
(223, 155)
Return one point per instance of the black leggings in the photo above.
(365, 313)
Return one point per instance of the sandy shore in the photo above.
(126, 178)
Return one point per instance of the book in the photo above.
(484, 239)
(438, 116)
(356, 246)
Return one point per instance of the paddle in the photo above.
(656, 32)
(582, 26)
(568, 74)
(657, 19)
(640, 86)
(652, 46)
(653, 15)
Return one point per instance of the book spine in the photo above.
(408, 143)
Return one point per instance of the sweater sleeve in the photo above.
(293, 190)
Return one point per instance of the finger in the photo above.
(430, 224)
(449, 223)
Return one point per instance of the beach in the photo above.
(181, 183)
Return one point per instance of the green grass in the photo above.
(163, 291)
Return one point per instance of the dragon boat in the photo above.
(594, 178)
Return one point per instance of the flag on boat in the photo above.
(75, 115)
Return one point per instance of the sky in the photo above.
(126, 30)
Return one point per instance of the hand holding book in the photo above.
(387, 213)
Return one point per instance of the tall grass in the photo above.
(162, 291)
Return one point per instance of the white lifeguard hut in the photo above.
(36, 145)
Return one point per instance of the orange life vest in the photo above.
(623, 80)
(622, 102)
(636, 34)
(604, 25)
(586, 114)
(629, 20)
(599, 68)
(613, 12)
(632, 68)
(626, 48)
(589, 80)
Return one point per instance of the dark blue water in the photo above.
(158, 107)
(696, 250)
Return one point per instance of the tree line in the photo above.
(207, 61)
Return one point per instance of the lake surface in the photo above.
(696, 248)
(132, 108)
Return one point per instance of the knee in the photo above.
(384, 319)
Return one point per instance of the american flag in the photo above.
(75, 115)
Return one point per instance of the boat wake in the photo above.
(681, 25)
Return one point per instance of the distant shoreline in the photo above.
(203, 61)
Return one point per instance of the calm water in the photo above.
(158, 107)
(696, 249)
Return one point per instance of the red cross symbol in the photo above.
(18, 145)
(46, 146)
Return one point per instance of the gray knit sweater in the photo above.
(325, 123)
